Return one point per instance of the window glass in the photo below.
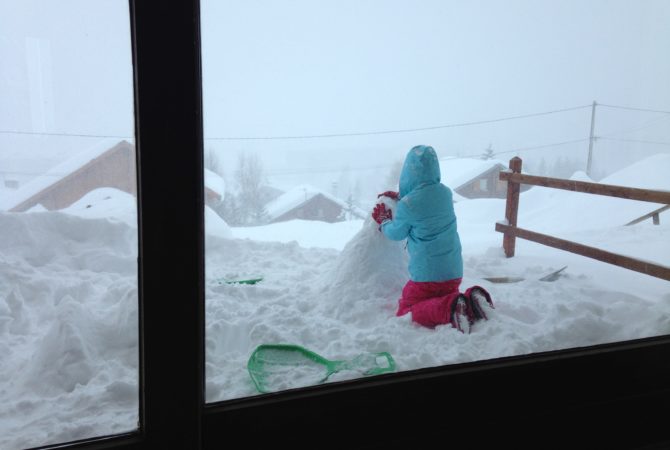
(310, 112)
(68, 223)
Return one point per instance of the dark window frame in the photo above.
(597, 397)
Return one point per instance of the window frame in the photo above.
(608, 392)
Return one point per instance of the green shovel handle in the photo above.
(368, 363)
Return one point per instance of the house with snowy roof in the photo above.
(99, 166)
(307, 202)
(474, 178)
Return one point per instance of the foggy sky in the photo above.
(296, 68)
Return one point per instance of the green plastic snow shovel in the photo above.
(245, 281)
(275, 367)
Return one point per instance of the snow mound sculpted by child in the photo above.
(367, 275)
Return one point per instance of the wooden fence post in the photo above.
(512, 207)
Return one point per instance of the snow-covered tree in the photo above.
(488, 153)
(230, 210)
(349, 211)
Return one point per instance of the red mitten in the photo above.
(390, 194)
(380, 213)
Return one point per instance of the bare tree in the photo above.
(250, 177)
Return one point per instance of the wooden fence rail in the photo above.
(610, 190)
(655, 216)
(510, 230)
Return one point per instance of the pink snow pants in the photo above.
(429, 302)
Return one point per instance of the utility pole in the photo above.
(592, 139)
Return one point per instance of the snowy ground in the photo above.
(68, 298)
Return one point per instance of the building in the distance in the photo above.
(307, 202)
(97, 167)
(474, 178)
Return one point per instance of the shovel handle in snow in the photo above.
(367, 363)
(553, 276)
(503, 279)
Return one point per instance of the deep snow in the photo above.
(68, 298)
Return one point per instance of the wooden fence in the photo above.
(655, 216)
(515, 179)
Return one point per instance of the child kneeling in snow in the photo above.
(424, 215)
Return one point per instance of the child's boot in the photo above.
(459, 314)
(476, 298)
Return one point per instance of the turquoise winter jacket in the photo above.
(425, 216)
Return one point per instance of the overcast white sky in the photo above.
(304, 67)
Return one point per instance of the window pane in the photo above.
(68, 223)
(311, 110)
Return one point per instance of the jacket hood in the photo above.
(421, 167)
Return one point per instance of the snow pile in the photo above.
(114, 204)
(68, 328)
(215, 225)
(370, 270)
(649, 173)
(284, 307)
(110, 203)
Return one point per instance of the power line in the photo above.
(638, 128)
(405, 130)
(537, 147)
(350, 134)
(635, 109)
(39, 133)
(639, 141)
(13, 172)
(454, 125)
(383, 166)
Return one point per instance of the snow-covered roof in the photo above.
(104, 202)
(10, 198)
(56, 173)
(215, 182)
(300, 195)
(458, 171)
(555, 211)
(649, 173)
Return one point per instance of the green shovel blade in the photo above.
(276, 367)
(240, 281)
